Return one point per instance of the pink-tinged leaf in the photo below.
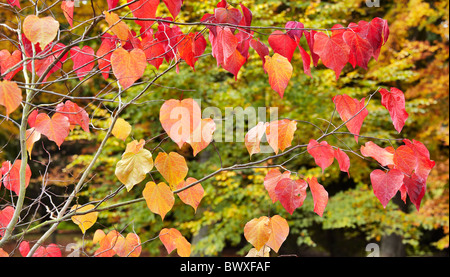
(51, 53)
(5, 218)
(322, 153)
(310, 40)
(376, 32)
(168, 36)
(403, 192)
(55, 129)
(104, 53)
(291, 194)
(405, 159)
(112, 4)
(294, 34)
(343, 160)
(282, 44)
(280, 72)
(76, 114)
(385, 156)
(11, 175)
(228, 15)
(244, 38)
(333, 51)
(83, 60)
(260, 48)
(174, 7)
(306, 61)
(271, 180)
(360, 49)
(319, 194)
(144, 9)
(67, 7)
(415, 187)
(8, 61)
(351, 110)
(247, 16)
(394, 102)
(386, 185)
(223, 45)
(234, 63)
(14, 3)
(193, 195)
(154, 51)
(423, 163)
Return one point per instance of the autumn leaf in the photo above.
(118, 27)
(32, 136)
(75, 114)
(282, 44)
(261, 49)
(8, 61)
(10, 96)
(3, 253)
(83, 60)
(202, 135)
(263, 252)
(415, 188)
(257, 232)
(385, 156)
(351, 110)
(5, 217)
(144, 9)
(172, 239)
(129, 246)
(112, 4)
(128, 67)
(386, 185)
(55, 128)
(280, 134)
(51, 250)
(154, 50)
(253, 138)
(319, 194)
(271, 180)
(360, 49)
(343, 160)
(180, 118)
(40, 30)
(394, 102)
(136, 162)
(333, 51)
(67, 7)
(159, 198)
(174, 7)
(291, 193)
(228, 15)
(172, 167)
(405, 159)
(424, 165)
(84, 221)
(322, 153)
(14, 3)
(11, 175)
(280, 72)
(279, 232)
(191, 196)
(107, 243)
(104, 53)
(121, 129)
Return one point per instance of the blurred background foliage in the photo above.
(415, 60)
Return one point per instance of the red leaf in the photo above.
(112, 4)
(83, 60)
(67, 7)
(174, 7)
(376, 32)
(51, 53)
(282, 44)
(343, 160)
(271, 180)
(223, 44)
(228, 15)
(14, 3)
(294, 34)
(11, 175)
(246, 16)
(104, 55)
(291, 193)
(75, 114)
(319, 194)
(260, 48)
(8, 61)
(55, 129)
(310, 40)
(385, 156)
(415, 187)
(405, 159)
(5, 218)
(333, 51)
(234, 63)
(144, 9)
(423, 163)
(360, 49)
(190, 47)
(169, 38)
(394, 102)
(348, 107)
(154, 51)
(306, 61)
(386, 185)
(322, 153)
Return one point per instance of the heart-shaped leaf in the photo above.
(84, 221)
(159, 198)
(319, 194)
(5, 217)
(128, 67)
(386, 185)
(291, 193)
(257, 232)
(271, 180)
(121, 129)
(193, 195)
(55, 129)
(75, 114)
(11, 175)
(129, 246)
(10, 96)
(67, 7)
(40, 30)
(280, 134)
(279, 232)
(173, 239)
(172, 167)
(322, 153)
(280, 72)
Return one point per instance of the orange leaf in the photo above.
(128, 246)
(271, 180)
(280, 72)
(279, 233)
(179, 119)
(11, 175)
(55, 129)
(319, 194)
(172, 167)
(193, 195)
(40, 30)
(253, 138)
(10, 96)
(118, 27)
(75, 114)
(257, 231)
(8, 61)
(202, 135)
(128, 67)
(107, 243)
(173, 239)
(159, 198)
(280, 134)
(67, 7)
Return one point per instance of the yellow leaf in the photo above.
(84, 221)
(257, 231)
(121, 129)
(159, 198)
(172, 167)
(136, 162)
